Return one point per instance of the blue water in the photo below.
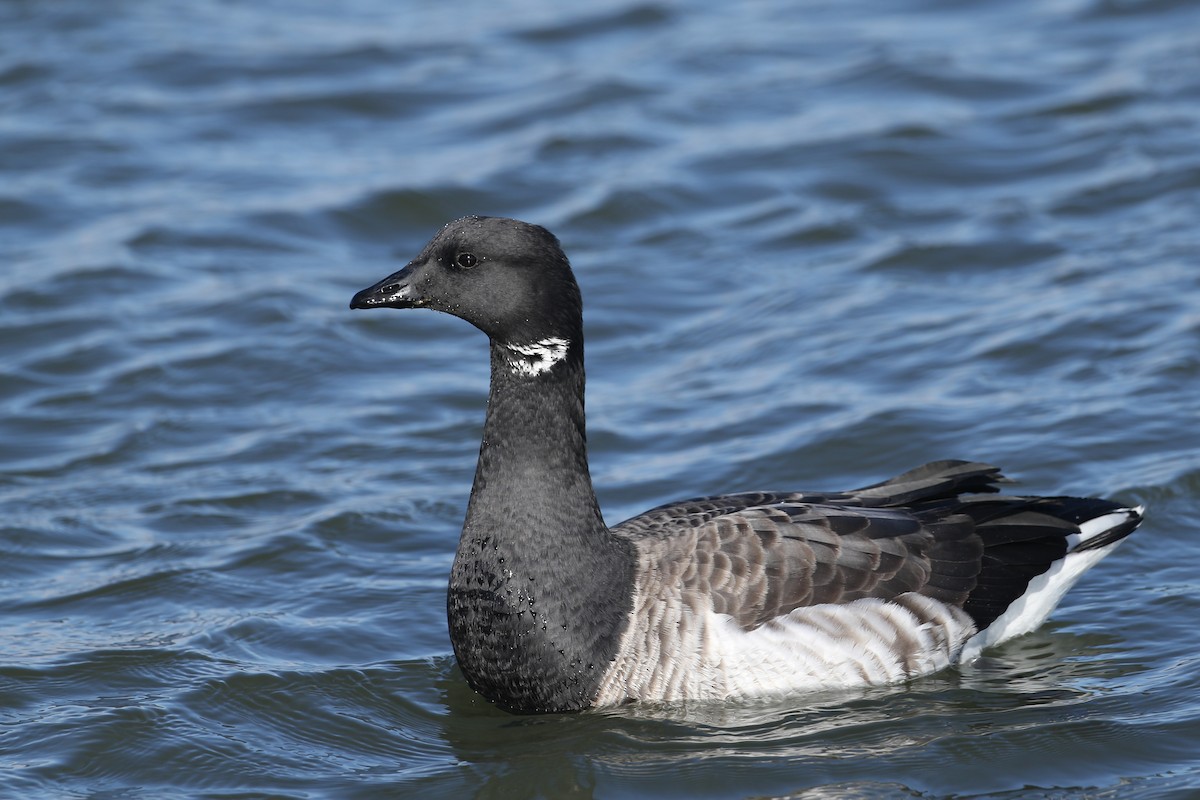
(819, 243)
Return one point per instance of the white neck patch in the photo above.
(536, 357)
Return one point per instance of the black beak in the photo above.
(394, 291)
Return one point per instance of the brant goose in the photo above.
(712, 598)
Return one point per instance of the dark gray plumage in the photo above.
(715, 597)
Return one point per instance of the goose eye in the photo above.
(466, 260)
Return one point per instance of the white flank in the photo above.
(673, 651)
(1046, 590)
(677, 648)
(536, 357)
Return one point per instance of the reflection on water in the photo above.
(855, 740)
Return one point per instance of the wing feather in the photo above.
(759, 555)
(764, 562)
